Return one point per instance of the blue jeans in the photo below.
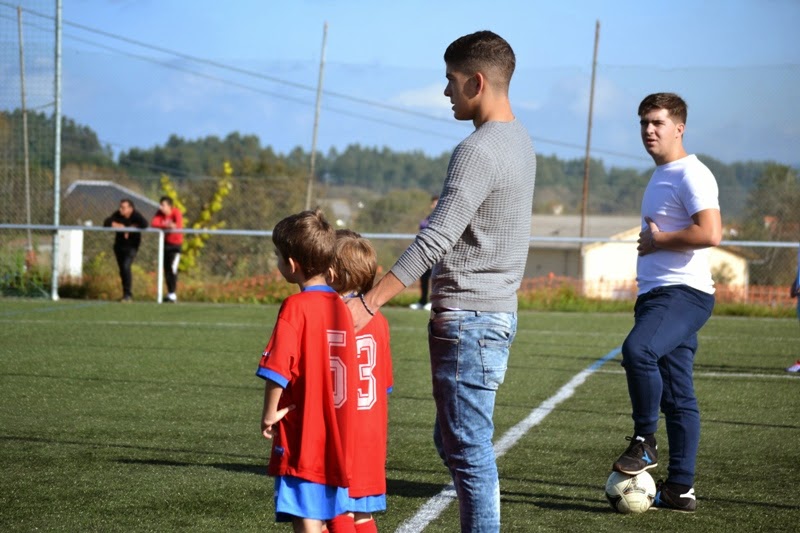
(658, 356)
(469, 357)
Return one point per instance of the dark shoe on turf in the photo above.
(639, 457)
(671, 499)
(126, 299)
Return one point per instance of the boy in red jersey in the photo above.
(306, 402)
(354, 273)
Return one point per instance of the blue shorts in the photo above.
(298, 498)
(367, 504)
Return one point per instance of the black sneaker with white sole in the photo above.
(639, 457)
(671, 499)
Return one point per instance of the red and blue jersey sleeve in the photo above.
(280, 358)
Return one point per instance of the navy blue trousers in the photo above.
(658, 356)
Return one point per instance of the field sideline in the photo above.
(145, 418)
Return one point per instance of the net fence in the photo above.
(238, 266)
(374, 191)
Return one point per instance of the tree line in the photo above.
(368, 172)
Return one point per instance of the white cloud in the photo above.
(429, 97)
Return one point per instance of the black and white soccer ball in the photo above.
(630, 494)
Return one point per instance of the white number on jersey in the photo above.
(367, 355)
(336, 339)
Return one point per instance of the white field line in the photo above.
(744, 375)
(436, 505)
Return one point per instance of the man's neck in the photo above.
(671, 158)
(499, 111)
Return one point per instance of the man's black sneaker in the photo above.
(639, 457)
(671, 499)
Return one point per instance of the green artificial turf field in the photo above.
(146, 418)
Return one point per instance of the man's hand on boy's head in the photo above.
(269, 424)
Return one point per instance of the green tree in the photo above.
(772, 215)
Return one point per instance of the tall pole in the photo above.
(57, 155)
(26, 157)
(310, 187)
(587, 159)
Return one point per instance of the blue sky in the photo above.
(737, 63)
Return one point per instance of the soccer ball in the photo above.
(630, 494)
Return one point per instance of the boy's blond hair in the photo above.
(355, 265)
(307, 238)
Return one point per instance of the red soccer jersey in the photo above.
(374, 382)
(308, 354)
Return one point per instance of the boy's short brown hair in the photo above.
(355, 265)
(309, 239)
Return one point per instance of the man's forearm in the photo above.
(387, 288)
(706, 231)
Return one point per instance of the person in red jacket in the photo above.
(169, 218)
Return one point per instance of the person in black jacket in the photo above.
(126, 244)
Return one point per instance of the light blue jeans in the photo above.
(469, 357)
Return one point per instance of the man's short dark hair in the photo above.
(166, 199)
(674, 104)
(127, 201)
(482, 51)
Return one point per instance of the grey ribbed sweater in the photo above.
(479, 233)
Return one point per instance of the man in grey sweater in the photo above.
(477, 241)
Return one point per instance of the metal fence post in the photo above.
(160, 275)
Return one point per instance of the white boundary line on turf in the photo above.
(745, 375)
(434, 507)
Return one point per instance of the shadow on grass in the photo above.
(546, 500)
(171, 383)
(412, 489)
(394, 487)
(88, 443)
(242, 468)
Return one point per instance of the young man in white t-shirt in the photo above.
(680, 222)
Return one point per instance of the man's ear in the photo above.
(480, 83)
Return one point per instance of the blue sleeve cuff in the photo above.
(265, 373)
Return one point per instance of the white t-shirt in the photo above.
(676, 191)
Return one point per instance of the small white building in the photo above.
(609, 268)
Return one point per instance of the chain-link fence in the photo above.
(27, 99)
(371, 190)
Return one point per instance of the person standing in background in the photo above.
(681, 221)
(126, 244)
(425, 279)
(169, 218)
(793, 292)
